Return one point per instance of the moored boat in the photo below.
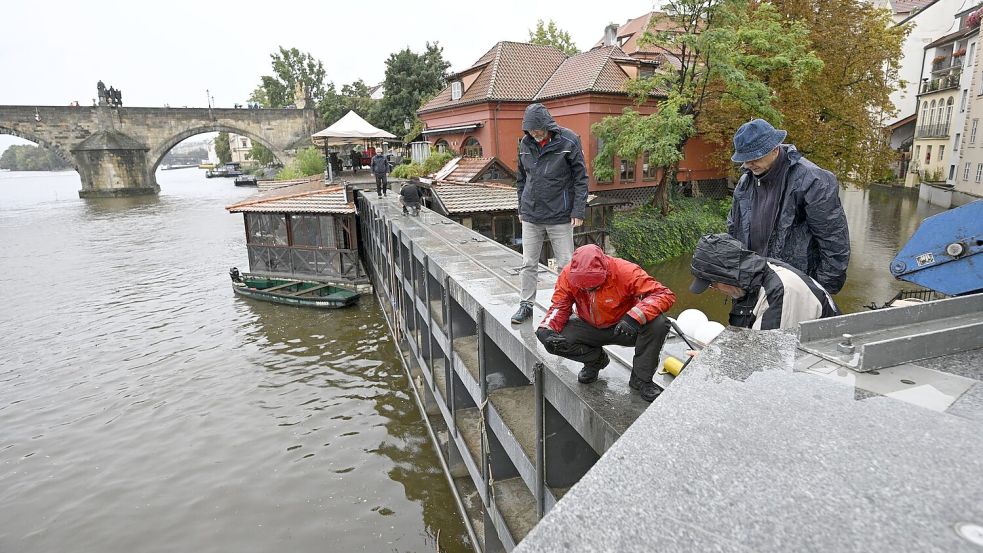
(301, 293)
(246, 180)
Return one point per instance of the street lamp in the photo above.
(407, 124)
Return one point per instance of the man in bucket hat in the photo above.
(617, 303)
(787, 208)
(780, 296)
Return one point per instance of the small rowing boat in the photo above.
(301, 293)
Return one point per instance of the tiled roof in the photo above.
(468, 169)
(475, 198)
(306, 197)
(510, 71)
(952, 37)
(592, 71)
(633, 29)
(907, 6)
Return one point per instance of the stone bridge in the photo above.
(116, 150)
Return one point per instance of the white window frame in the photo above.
(979, 172)
(955, 145)
(972, 132)
(457, 90)
(966, 171)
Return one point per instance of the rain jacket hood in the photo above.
(538, 117)
(588, 267)
(551, 179)
(720, 258)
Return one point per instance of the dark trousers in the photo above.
(381, 183)
(585, 343)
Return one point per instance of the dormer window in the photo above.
(457, 90)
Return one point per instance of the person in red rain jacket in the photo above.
(617, 303)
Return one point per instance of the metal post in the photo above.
(537, 374)
(451, 371)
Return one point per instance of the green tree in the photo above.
(548, 34)
(411, 79)
(28, 157)
(222, 149)
(353, 97)
(260, 153)
(289, 68)
(728, 50)
(836, 117)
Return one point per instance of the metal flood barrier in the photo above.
(512, 435)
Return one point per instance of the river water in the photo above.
(144, 407)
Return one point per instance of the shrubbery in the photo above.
(309, 161)
(645, 237)
(430, 166)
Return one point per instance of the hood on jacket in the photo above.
(538, 117)
(588, 267)
(720, 258)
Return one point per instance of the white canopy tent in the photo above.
(350, 128)
(347, 130)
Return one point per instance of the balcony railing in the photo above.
(944, 82)
(947, 64)
(938, 130)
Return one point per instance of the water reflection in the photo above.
(881, 220)
(348, 367)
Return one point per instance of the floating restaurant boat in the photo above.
(300, 293)
(302, 243)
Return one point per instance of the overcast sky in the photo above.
(52, 53)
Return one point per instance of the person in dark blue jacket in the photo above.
(380, 168)
(552, 185)
(787, 208)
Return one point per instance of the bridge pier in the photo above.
(113, 165)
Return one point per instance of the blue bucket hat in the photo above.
(755, 139)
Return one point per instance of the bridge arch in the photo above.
(62, 154)
(157, 152)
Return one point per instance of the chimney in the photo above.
(611, 35)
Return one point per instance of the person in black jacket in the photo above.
(552, 185)
(778, 295)
(409, 196)
(380, 168)
(786, 207)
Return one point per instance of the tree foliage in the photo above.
(353, 97)
(309, 161)
(28, 157)
(411, 79)
(647, 237)
(260, 153)
(289, 68)
(836, 118)
(727, 50)
(222, 148)
(549, 34)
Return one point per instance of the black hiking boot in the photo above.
(588, 374)
(647, 389)
(522, 314)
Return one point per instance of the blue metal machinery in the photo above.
(946, 252)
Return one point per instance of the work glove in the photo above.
(552, 339)
(627, 327)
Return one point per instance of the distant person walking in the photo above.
(787, 208)
(356, 161)
(380, 168)
(552, 186)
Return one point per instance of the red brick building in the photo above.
(480, 112)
